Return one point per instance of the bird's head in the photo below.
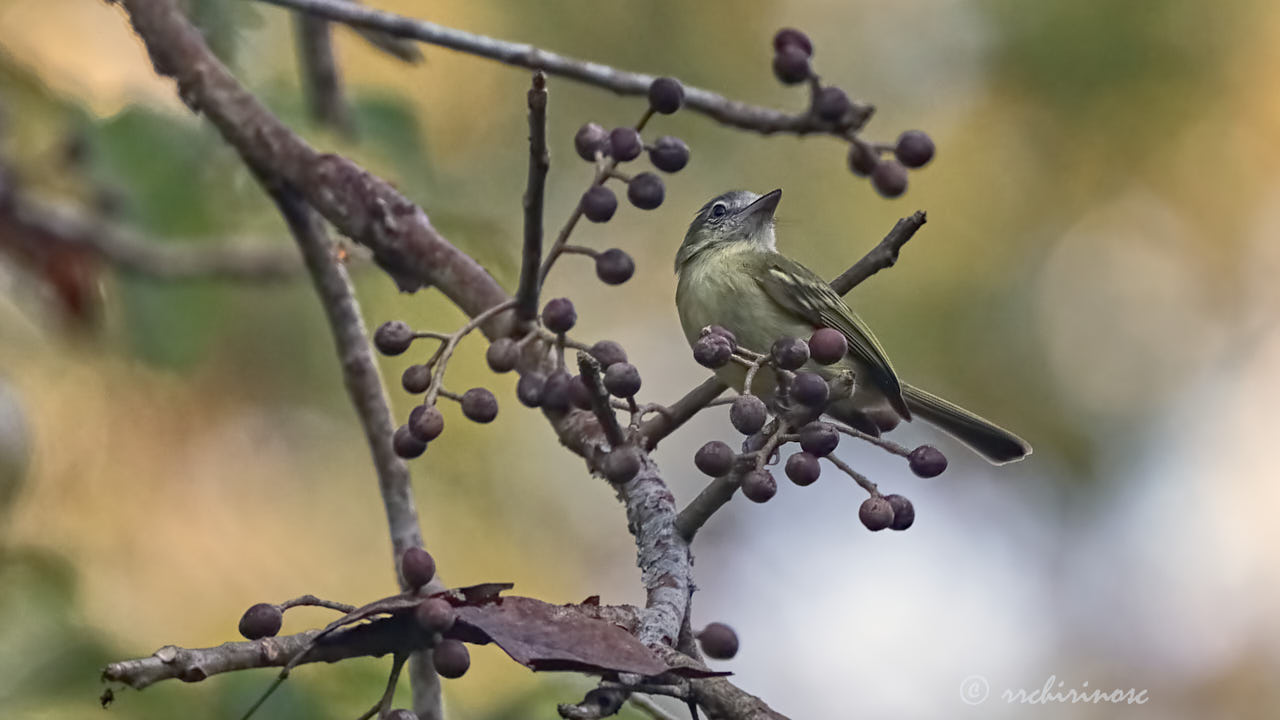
(738, 216)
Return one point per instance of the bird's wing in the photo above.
(798, 290)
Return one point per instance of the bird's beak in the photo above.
(764, 207)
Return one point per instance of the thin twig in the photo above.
(884, 443)
(718, 107)
(320, 76)
(651, 708)
(858, 477)
(589, 367)
(446, 352)
(539, 163)
(384, 703)
(313, 601)
(883, 255)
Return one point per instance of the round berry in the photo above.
(889, 178)
(718, 641)
(827, 346)
(502, 355)
(712, 351)
(451, 658)
(904, 513)
(714, 458)
(480, 405)
(559, 316)
(579, 393)
(831, 104)
(392, 337)
(555, 392)
(625, 143)
(669, 154)
(261, 620)
(789, 353)
(590, 138)
(863, 159)
(724, 333)
(614, 266)
(645, 191)
(599, 203)
(914, 149)
(416, 378)
(426, 423)
(417, 567)
(608, 352)
(791, 65)
(406, 444)
(666, 95)
(435, 615)
(622, 380)
(876, 513)
(529, 389)
(927, 461)
(620, 465)
(819, 438)
(809, 389)
(747, 414)
(803, 468)
(759, 486)
(791, 37)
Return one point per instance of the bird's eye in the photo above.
(718, 210)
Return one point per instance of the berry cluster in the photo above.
(800, 398)
(792, 64)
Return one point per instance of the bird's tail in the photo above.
(997, 445)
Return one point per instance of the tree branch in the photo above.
(539, 164)
(718, 107)
(883, 255)
(667, 420)
(320, 77)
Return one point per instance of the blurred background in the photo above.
(1098, 273)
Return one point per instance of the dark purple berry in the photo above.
(529, 389)
(831, 104)
(480, 405)
(417, 567)
(718, 641)
(827, 346)
(608, 352)
(625, 143)
(426, 423)
(789, 353)
(555, 392)
(590, 138)
(791, 65)
(714, 458)
(620, 465)
(927, 461)
(502, 355)
(392, 337)
(599, 203)
(914, 149)
(724, 333)
(819, 438)
(759, 486)
(666, 95)
(261, 620)
(809, 389)
(862, 159)
(889, 178)
(904, 513)
(791, 37)
(747, 414)
(876, 513)
(614, 266)
(803, 468)
(451, 658)
(559, 316)
(435, 615)
(579, 393)
(645, 191)
(622, 380)
(712, 351)
(406, 444)
(669, 154)
(416, 378)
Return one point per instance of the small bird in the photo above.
(730, 274)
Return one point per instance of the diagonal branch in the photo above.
(883, 255)
(320, 76)
(539, 164)
(718, 107)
